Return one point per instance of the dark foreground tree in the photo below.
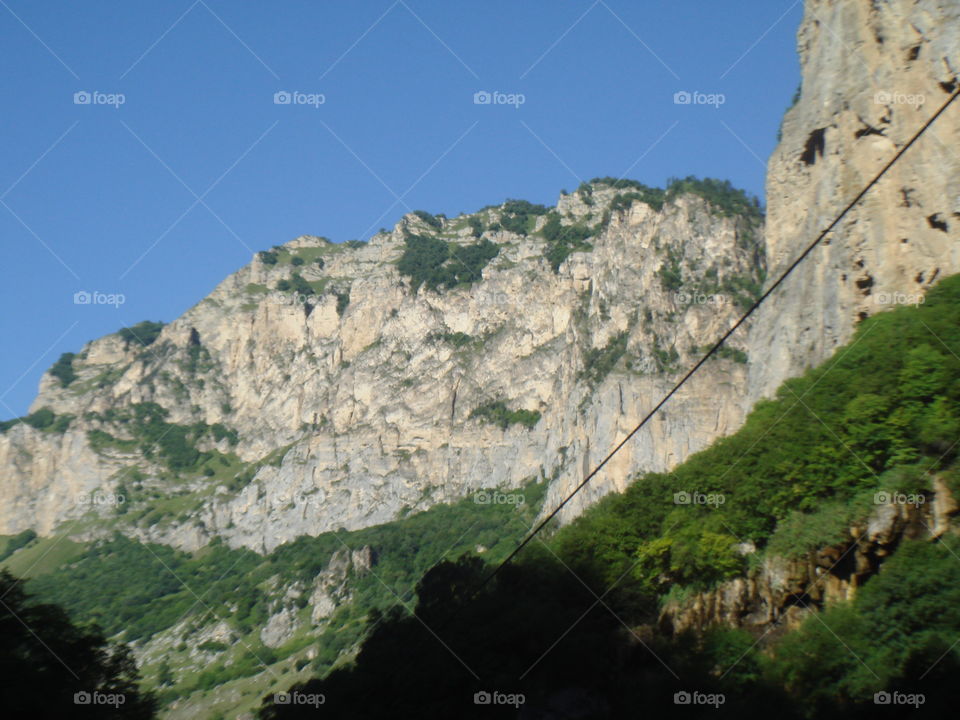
(50, 668)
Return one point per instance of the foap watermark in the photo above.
(899, 698)
(885, 97)
(899, 298)
(98, 498)
(85, 97)
(698, 498)
(899, 498)
(83, 297)
(698, 698)
(483, 97)
(279, 297)
(699, 298)
(299, 698)
(498, 698)
(498, 498)
(99, 698)
(496, 298)
(683, 97)
(295, 97)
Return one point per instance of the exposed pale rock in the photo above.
(866, 68)
(371, 406)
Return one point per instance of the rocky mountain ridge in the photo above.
(346, 397)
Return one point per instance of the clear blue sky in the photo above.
(104, 197)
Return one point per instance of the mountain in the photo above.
(355, 392)
(805, 566)
(298, 448)
(333, 415)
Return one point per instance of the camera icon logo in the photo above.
(282, 97)
(82, 297)
(482, 97)
(882, 98)
(882, 698)
(81, 97)
(681, 498)
(82, 698)
(881, 498)
(281, 698)
(682, 97)
(682, 698)
(482, 698)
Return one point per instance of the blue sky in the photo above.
(182, 164)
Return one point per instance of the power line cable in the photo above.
(757, 303)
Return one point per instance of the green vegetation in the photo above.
(296, 284)
(721, 194)
(670, 272)
(268, 257)
(143, 333)
(63, 369)
(519, 216)
(728, 353)
(434, 221)
(886, 403)
(16, 542)
(743, 289)
(437, 264)
(150, 433)
(562, 240)
(42, 419)
(654, 197)
(598, 362)
(497, 413)
(882, 414)
(47, 661)
(42, 555)
(666, 359)
(476, 226)
(898, 633)
(343, 300)
(457, 339)
(139, 590)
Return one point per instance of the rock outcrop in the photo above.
(779, 593)
(873, 72)
(354, 397)
(356, 401)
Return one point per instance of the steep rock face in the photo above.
(873, 72)
(353, 400)
(779, 593)
(354, 403)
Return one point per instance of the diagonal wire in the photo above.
(716, 346)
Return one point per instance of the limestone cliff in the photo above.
(873, 72)
(350, 397)
(358, 400)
